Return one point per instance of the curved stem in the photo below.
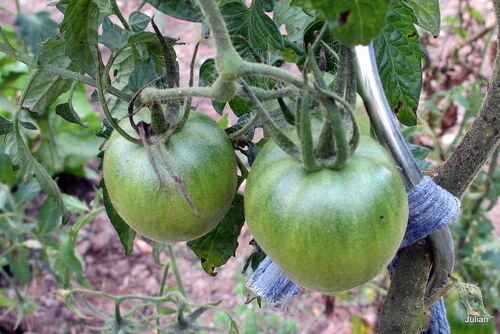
(150, 94)
(306, 141)
(228, 61)
(252, 69)
(116, 10)
(175, 269)
(285, 143)
(247, 127)
(287, 113)
(105, 108)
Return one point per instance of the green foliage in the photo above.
(399, 58)
(215, 248)
(353, 22)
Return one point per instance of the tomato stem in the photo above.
(158, 120)
(104, 104)
(175, 269)
(304, 131)
(285, 143)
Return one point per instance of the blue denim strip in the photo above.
(431, 208)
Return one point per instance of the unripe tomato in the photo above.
(329, 230)
(200, 155)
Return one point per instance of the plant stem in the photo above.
(161, 291)
(250, 125)
(104, 104)
(116, 10)
(62, 72)
(143, 2)
(285, 143)
(227, 60)
(175, 269)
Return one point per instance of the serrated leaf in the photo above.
(399, 56)
(79, 28)
(46, 88)
(250, 26)
(66, 111)
(428, 15)
(184, 10)
(353, 21)
(34, 29)
(5, 125)
(142, 75)
(138, 21)
(21, 157)
(113, 36)
(125, 233)
(216, 247)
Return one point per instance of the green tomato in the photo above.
(329, 230)
(200, 155)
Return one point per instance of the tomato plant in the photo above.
(327, 230)
(200, 155)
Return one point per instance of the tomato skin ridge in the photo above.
(200, 154)
(328, 230)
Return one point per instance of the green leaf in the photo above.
(21, 157)
(267, 5)
(66, 111)
(399, 57)
(184, 10)
(419, 153)
(208, 74)
(428, 15)
(79, 28)
(46, 88)
(18, 260)
(305, 5)
(5, 125)
(125, 233)
(353, 21)
(142, 75)
(113, 36)
(250, 28)
(49, 217)
(28, 125)
(27, 192)
(216, 247)
(75, 205)
(35, 29)
(294, 19)
(138, 21)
